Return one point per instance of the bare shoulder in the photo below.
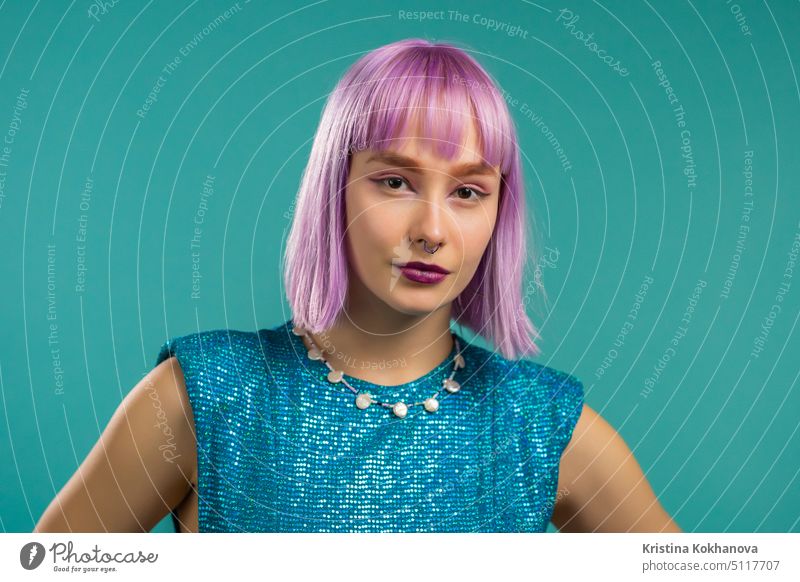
(591, 434)
(139, 469)
(601, 485)
(169, 398)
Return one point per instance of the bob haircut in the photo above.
(368, 110)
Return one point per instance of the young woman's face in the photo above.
(397, 198)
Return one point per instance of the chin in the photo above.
(415, 302)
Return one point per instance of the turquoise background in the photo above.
(717, 432)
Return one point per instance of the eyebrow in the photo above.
(467, 168)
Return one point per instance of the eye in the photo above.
(479, 194)
(393, 182)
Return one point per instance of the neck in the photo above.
(385, 346)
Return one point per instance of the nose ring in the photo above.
(427, 250)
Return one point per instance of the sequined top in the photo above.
(280, 448)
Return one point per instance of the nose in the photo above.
(429, 222)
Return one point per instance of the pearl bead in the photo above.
(400, 409)
(451, 385)
(363, 400)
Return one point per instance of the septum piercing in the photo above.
(425, 247)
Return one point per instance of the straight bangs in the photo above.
(437, 89)
(437, 93)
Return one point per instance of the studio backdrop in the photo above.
(151, 152)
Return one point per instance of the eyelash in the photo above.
(480, 193)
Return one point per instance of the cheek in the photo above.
(373, 228)
(474, 238)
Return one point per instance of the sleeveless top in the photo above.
(280, 448)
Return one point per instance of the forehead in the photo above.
(414, 142)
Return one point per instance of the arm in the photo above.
(133, 475)
(607, 491)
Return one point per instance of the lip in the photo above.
(420, 276)
(419, 266)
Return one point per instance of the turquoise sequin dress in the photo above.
(282, 449)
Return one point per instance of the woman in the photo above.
(364, 411)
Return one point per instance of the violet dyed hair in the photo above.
(369, 108)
